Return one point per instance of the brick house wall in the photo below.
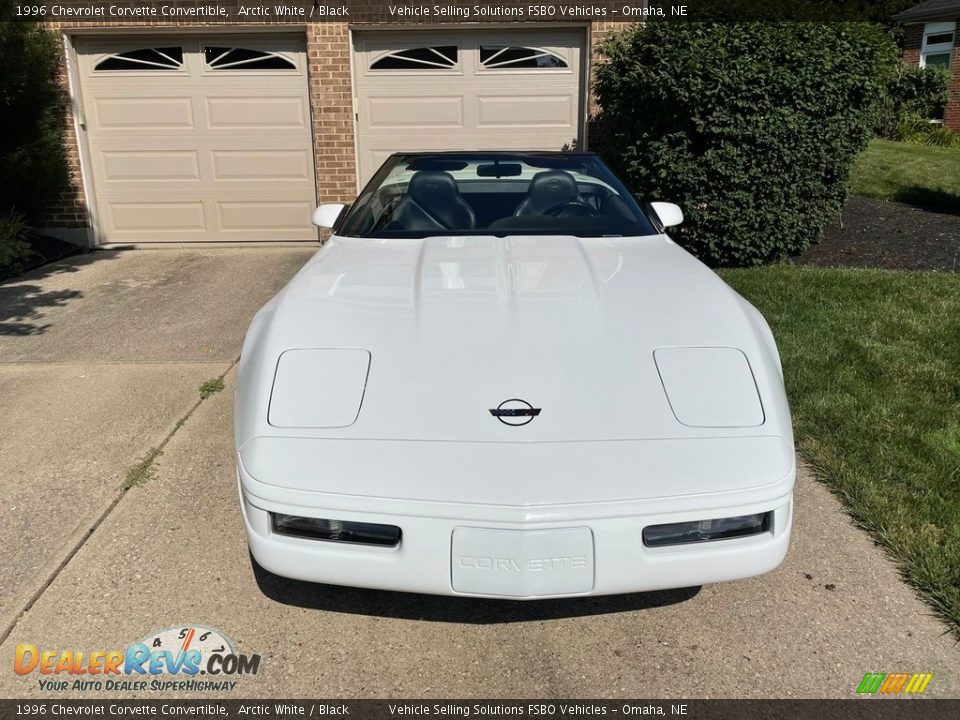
(330, 90)
(951, 115)
(912, 44)
(912, 40)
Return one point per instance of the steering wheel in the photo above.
(555, 210)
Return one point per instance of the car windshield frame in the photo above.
(607, 209)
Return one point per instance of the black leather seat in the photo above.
(433, 202)
(549, 189)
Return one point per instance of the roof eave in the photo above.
(917, 16)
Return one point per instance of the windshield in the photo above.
(419, 195)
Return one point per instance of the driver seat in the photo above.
(548, 189)
(433, 202)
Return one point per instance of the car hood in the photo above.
(455, 326)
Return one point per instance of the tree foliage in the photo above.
(32, 163)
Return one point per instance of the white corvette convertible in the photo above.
(500, 377)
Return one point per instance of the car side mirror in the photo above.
(670, 215)
(326, 215)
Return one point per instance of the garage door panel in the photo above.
(259, 217)
(199, 153)
(542, 111)
(472, 104)
(262, 113)
(150, 166)
(415, 111)
(139, 113)
(260, 165)
(152, 216)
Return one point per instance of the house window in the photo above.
(442, 57)
(161, 58)
(235, 58)
(504, 56)
(938, 41)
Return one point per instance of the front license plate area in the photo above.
(522, 563)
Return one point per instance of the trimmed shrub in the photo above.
(32, 163)
(14, 244)
(752, 128)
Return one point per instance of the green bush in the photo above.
(14, 245)
(32, 163)
(914, 92)
(752, 128)
(941, 137)
(917, 129)
(910, 127)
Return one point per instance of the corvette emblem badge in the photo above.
(515, 412)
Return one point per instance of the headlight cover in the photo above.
(709, 386)
(697, 531)
(343, 531)
(318, 388)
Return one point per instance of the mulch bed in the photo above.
(881, 234)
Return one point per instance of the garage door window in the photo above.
(441, 57)
(527, 58)
(161, 58)
(235, 58)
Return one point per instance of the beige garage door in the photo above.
(196, 138)
(467, 90)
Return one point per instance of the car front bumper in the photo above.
(519, 553)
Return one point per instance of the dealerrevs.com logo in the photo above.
(179, 658)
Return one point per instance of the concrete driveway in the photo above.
(106, 363)
(100, 356)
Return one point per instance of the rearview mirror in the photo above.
(500, 169)
(326, 215)
(670, 215)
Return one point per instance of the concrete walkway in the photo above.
(172, 552)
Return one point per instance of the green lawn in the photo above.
(872, 366)
(923, 175)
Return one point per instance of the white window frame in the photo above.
(236, 66)
(937, 28)
(535, 52)
(443, 64)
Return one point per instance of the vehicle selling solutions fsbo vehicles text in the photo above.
(532, 710)
(541, 11)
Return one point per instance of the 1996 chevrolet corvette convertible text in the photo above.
(500, 377)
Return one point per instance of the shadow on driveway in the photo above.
(453, 609)
(23, 300)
